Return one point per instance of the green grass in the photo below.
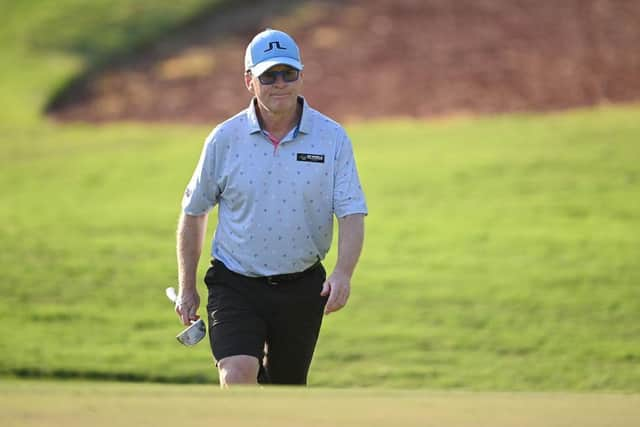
(27, 404)
(46, 43)
(501, 253)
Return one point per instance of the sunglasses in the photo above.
(269, 77)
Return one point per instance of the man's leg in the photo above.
(294, 328)
(237, 331)
(237, 370)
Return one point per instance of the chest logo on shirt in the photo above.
(314, 158)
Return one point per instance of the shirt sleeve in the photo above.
(348, 197)
(202, 192)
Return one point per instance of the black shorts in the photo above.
(245, 313)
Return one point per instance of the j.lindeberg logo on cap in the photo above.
(277, 44)
(314, 158)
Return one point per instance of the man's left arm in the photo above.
(350, 240)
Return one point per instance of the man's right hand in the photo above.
(189, 238)
(187, 305)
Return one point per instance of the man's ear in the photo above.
(248, 82)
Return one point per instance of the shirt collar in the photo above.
(306, 121)
(304, 125)
(252, 117)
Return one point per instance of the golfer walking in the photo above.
(279, 171)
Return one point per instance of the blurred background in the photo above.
(497, 142)
(377, 58)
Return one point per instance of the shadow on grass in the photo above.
(65, 374)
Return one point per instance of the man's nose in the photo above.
(280, 79)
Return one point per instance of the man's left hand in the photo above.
(338, 287)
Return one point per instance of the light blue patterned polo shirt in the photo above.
(275, 206)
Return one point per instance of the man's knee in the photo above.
(239, 369)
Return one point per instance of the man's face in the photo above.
(277, 95)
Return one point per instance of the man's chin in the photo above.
(282, 105)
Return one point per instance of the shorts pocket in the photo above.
(214, 274)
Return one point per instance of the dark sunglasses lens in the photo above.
(290, 75)
(270, 77)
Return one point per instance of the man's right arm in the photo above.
(190, 238)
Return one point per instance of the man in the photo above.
(278, 172)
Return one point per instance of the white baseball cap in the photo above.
(269, 48)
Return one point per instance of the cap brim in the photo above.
(260, 68)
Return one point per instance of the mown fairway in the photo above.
(501, 253)
(29, 404)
